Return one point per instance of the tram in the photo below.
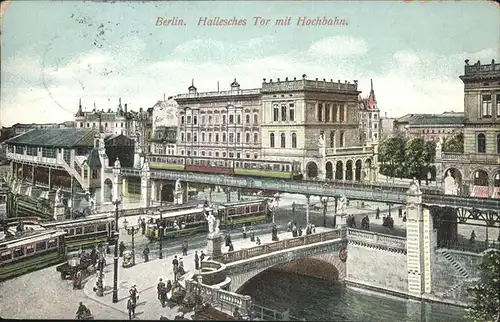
(86, 232)
(243, 213)
(32, 251)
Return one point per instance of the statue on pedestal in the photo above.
(213, 225)
(117, 163)
(450, 185)
(322, 145)
(58, 198)
(342, 205)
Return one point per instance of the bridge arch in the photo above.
(108, 190)
(329, 170)
(339, 170)
(328, 263)
(312, 169)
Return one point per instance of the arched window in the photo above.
(247, 118)
(247, 135)
(255, 138)
(341, 143)
(276, 113)
(481, 143)
(283, 140)
(182, 119)
(271, 140)
(294, 140)
(182, 137)
(256, 118)
(319, 112)
(498, 143)
(291, 107)
(223, 137)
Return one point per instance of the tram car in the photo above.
(243, 213)
(32, 251)
(86, 232)
(229, 166)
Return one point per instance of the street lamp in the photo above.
(116, 236)
(131, 232)
(324, 201)
(160, 235)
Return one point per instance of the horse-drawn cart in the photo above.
(76, 269)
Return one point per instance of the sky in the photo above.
(54, 54)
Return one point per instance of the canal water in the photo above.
(314, 299)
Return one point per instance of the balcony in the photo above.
(472, 158)
(34, 159)
(348, 150)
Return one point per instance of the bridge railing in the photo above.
(376, 238)
(243, 254)
(467, 246)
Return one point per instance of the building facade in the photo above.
(315, 122)
(477, 170)
(369, 119)
(435, 127)
(221, 124)
(164, 140)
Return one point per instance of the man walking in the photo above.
(131, 309)
(185, 247)
(196, 260)
(175, 264)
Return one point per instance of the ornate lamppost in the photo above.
(131, 232)
(116, 236)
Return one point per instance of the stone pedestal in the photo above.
(214, 245)
(59, 212)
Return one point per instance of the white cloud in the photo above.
(410, 81)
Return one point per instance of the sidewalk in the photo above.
(146, 276)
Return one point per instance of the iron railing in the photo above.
(468, 246)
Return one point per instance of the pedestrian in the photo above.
(252, 235)
(400, 213)
(257, 241)
(231, 247)
(175, 264)
(93, 255)
(202, 256)
(377, 213)
(472, 236)
(181, 266)
(299, 233)
(143, 226)
(244, 232)
(159, 288)
(139, 221)
(313, 229)
(131, 308)
(196, 260)
(185, 247)
(134, 293)
(146, 254)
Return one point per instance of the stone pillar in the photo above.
(322, 171)
(308, 202)
(145, 187)
(345, 170)
(419, 241)
(214, 245)
(154, 191)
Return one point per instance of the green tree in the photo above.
(416, 157)
(486, 304)
(391, 155)
(454, 144)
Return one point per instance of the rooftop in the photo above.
(436, 120)
(55, 137)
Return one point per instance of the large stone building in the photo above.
(430, 127)
(137, 125)
(315, 122)
(221, 124)
(477, 170)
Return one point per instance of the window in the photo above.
(189, 120)
(231, 119)
(89, 229)
(195, 138)
(223, 154)
(189, 137)
(487, 106)
(238, 137)
(48, 153)
(283, 140)
(332, 139)
(255, 156)
(217, 118)
(342, 139)
(202, 137)
(52, 243)
(217, 137)
(41, 246)
(283, 112)
(256, 118)
(375, 125)
(294, 140)
(341, 114)
(238, 119)
(5, 256)
(195, 120)
(217, 154)
(319, 112)
(85, 172)
(182, 136)
(203, 119)
(223, 119)
(210, 119)
(276, 113)
(231, 154)
(182, 152)
(255, 138)
(18, 252)
(334, 112)
(481, 143)
(238, 155)
(327, 113)
(231, 137)
(209, 137)
(271, 140)
(247, 155)
(247, 118)
(31, 150)
(498, 143)
(292, 111)
(224, 138)
(247, 137)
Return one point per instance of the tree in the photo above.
(391, 155)
(486, 303)
(454, 144)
